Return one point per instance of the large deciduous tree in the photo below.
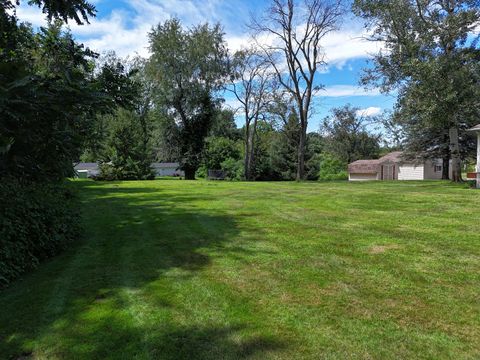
(250, 82)
(431, 59)
(187, 68)
(45, 98)
(346, 135)
(291, 35)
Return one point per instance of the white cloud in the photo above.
(125, 29)
(31, 14)
(347, 91)
(349, 43)
(232, 103)
(370, 111)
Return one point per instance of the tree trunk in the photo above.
(246, 170)
(455, 154)
(251, 159)
(446, 167)
(301, 154)
(190, 173)
(247, 152)
(251, 162)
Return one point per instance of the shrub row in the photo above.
(37, 221)
(130, 170)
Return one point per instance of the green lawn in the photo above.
(170, 269)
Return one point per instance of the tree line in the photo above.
(182, 119)
(61, 102)
(429, 58)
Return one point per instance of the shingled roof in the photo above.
(475, 128)
(373, 166)
(364, 167)
(395, 156)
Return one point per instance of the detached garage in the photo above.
(393, 167)
(364, 170)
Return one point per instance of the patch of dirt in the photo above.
(380, 249)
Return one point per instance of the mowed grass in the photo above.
(171, 269)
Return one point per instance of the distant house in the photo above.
(393, 167)
(85, 170)
(167, 169)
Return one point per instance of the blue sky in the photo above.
(122, 25)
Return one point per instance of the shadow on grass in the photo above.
(124, 291)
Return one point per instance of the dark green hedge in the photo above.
(37, 221)
(129, 170)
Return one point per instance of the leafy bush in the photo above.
(128, 170)
(332, 168)
(37, 221)
(127, 154)
(219, 149)
(202, 172)
(233, 169)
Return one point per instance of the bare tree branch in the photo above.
(295, 31)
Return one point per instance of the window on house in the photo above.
(438, 168)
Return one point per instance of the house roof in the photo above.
(165, 165)
(373, 166)
(395, 156)
(94, 166)
(86, 166)
(364, 167)
(475, 128)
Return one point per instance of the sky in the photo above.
(123, 25)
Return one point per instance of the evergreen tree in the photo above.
(125, 156)
(284, 148)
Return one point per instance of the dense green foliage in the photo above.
(178, 270)
(120, 137)
(36, 222)
(332, 168)
(127, 153)
(346, 136)
(284, 151)
(186, 68)
(48, 93)
(219, 149)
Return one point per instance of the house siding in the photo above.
(168, 172)
(393, 167)
(411, 172)
(362, 177)
(429, 170)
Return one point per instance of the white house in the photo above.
(477, 170)
(85, 170)
(393, 167)
(167, 169)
